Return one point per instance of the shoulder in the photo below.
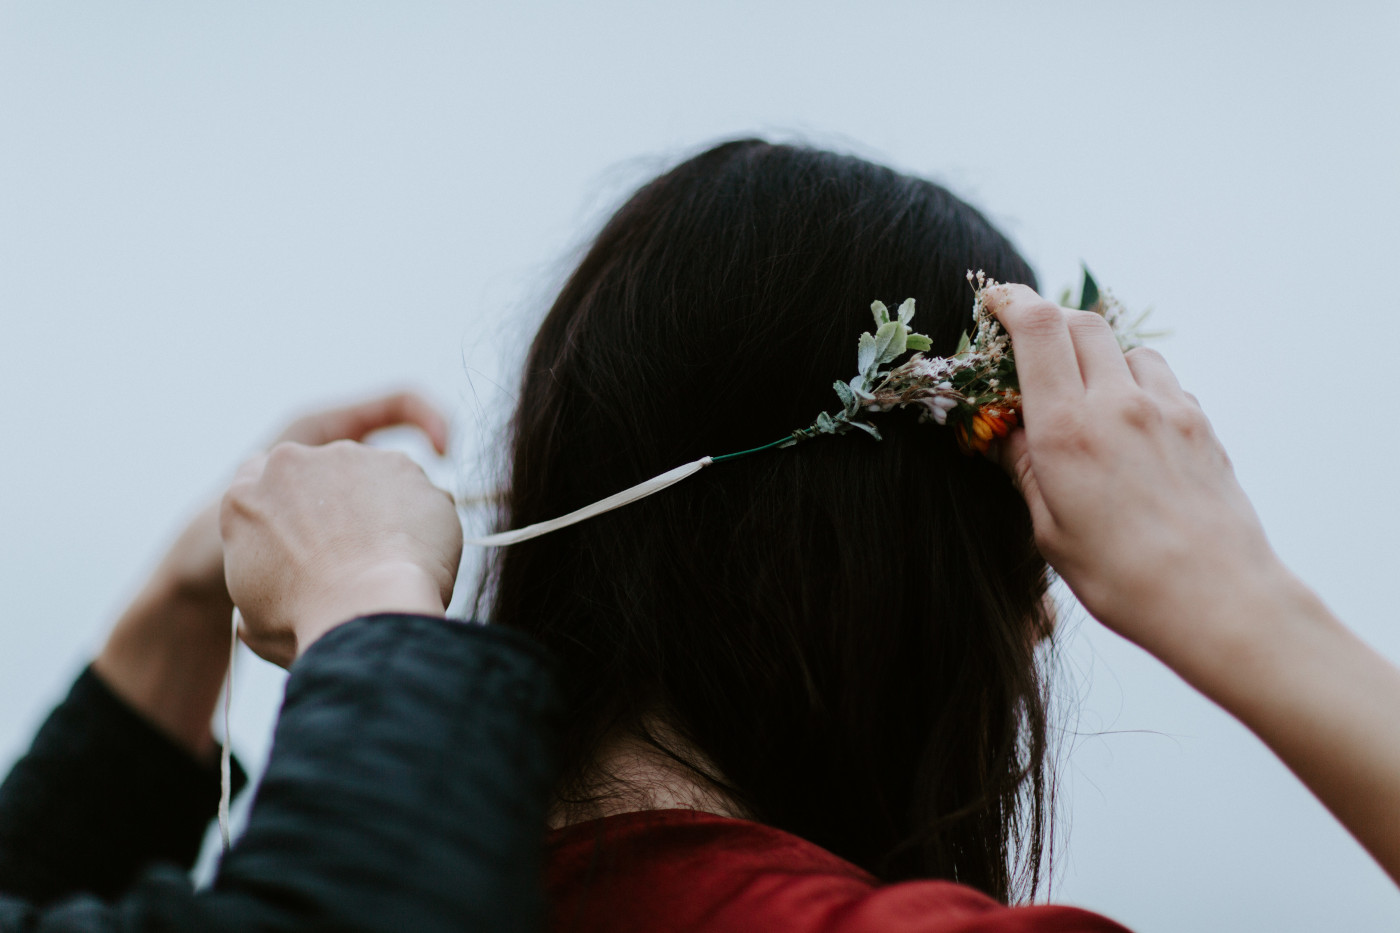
(670, 871)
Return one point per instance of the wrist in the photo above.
(383, 588)
(1249, 635)
(166, 658)
(171, 586)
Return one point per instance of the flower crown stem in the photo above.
(752, 450)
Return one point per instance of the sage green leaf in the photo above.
(865, 353)
(918, 342)
(868, 429)
(825, 424)
(906, 311)
(849, 402)
(858, 387)
(964, 344)
(1088, 292)
(882, 313)
(890, 340)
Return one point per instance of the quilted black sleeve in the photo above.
(407, 788)
(100, 795)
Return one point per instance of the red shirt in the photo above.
(667, 871)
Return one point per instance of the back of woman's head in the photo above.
(844, 630)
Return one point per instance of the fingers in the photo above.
(1101, 362)
(1150, 370)
(355, 422)
(1058, 351)
(1046, 362)
(400, 408)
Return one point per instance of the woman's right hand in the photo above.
(1133, 499)
(315, 536)
(1135, 504)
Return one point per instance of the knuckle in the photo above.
(1085, 321)
(1138, 410)
(228, 506)
(283, 453)
(235, 506)
(339, 451)
(1040, 318)
(1064, 432)
(1145, 354)
(395, 459)
(1189, 421)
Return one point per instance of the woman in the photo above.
(808, 673)
(411, 760)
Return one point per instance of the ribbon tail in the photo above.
(226, 756)
(616, 500)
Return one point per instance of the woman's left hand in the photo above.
(194, 565)
(168, 653)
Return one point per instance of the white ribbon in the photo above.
(616, 500)
(226, 757)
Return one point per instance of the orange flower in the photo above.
(988, 424)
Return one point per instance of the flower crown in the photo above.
(975, 390)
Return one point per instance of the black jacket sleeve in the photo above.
(406, 791)
(100, 795)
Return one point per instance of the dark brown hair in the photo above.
(845, 630)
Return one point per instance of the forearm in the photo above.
(1136, 505)
(167, 657)
(407, 788)
(1319, 697)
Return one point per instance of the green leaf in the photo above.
(1088, 292)
(890, 340)
(882, 314)
(825, 424)
(865, 353)
(918, 342)
(906, 311)
(849, 402)
(964, 344)
(858, 387)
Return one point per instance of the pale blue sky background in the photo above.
(212, 215)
